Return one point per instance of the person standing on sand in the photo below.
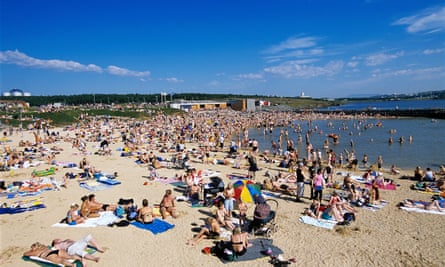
(300, 181)
(253, 167)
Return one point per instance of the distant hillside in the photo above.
(421, 95)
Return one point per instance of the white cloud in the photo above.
(292, 69)
(173, 80)
(292, 43)
(296, 54)
(428, 20)
(379, 59)
(21, 59)
(250, 76)
(352, 64)
(433, 51)
(126, 72)
(413, 73)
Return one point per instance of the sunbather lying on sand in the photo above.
(435, 204)
(56, 256)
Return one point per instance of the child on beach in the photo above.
(73, 216)
(222, 216)
(242, 213)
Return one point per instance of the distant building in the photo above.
(16, 92)
(238, 105)
(302, 95)
(198, 105)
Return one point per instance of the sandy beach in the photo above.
(386, 237)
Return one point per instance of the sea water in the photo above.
(427, 148)
(391, 105)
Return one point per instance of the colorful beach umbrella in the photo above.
(245, 190)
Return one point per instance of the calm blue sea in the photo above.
(427, 148)
(392, 105)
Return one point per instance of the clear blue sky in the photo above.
(281, 47)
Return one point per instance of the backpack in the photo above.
(350, 217)
(132, 213)
(119, 212)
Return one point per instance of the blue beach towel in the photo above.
(319, 223)
(156, 227)
(11, 210)
(94, 186)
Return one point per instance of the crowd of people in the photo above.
(149, 140)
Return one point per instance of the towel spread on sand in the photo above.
(254, 252)
(319, 223)
(94, 185)
(376, 207)
(156, 227)
(236, 176)
(105, 218)
(422, 210)
(14, 210)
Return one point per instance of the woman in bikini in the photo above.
(239, 241)
(145, 214)
(168, 204)
(55, 256)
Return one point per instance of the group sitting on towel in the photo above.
(280, 183)
(337, 209)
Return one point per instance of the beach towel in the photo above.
(14, 210)
(105, 218)
(22, 194)
(179, 184)
(254, 252)
(326, 224)
(157, 212)
(236, 176)
(156, 227)
(46, 263)
(376, 207)
(107, 180)
(66, 164)
(426, 187)
(47, 172)
(384, 187)
(94, 185)
(422, 210)
(166, 180)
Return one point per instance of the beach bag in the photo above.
(119, 212)
(132, 213)
(350, 217)
(228, 255)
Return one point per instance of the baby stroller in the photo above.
(266, 226)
